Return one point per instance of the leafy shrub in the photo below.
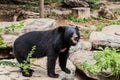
(13, 27)
(27, 6)
(117, 22)
(75, 19)
(107, 59)
(117, 11)
(86, 33)
(2, 43)
(52, 1)
(27, 63)
(7, 29)
(98, 28)
(101, 19)
(92, 4)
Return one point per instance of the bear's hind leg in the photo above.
(21, 56)
(25, 72)
(63, 61)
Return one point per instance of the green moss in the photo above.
(27, 63)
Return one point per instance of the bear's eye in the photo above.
(71, 34)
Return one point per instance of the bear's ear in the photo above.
(77, 28)
(61, 29)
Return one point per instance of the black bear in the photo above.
(51, 43)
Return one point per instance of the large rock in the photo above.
(9, 39)
(109, 36)
(30, 25)
(81, 12)
(38, 24)
(105, 12)
(81, 56)
(40, 73)
(112, 30)
(82, 45)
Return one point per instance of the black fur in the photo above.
(48, 43)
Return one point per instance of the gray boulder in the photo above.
(30, 25)
(81, 12)
(40, 71)
(81, 56)
(82, 45)
(109, 36)
(38, 24)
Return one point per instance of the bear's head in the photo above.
(71, 34)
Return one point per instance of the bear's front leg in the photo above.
(27, 72)
(63, 61)
(51, 66)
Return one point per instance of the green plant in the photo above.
(107, 59)
(9, 28)
(117, 22)
(9, 63)
(75, 19)
(52, 1)
(2, 43)
(46, 2)
(72, 17)
(117, 11)
(27, 63)
(98, 28)
(27, 6)
(37, 10)
(54, 14)
(101, 19)
(92, 4)
(84, 20)
(13, 27)
(86, 33)
(6, 2)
